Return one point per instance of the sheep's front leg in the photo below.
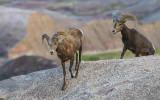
(64, 74)
(70, 68)
(123, 52)
(137, 53)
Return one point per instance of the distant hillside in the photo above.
(24, 65)
(87, 10)
(12, 27)
(97, 35)
(38, 24)
(123, 79)
(151, 30)
(93, 17)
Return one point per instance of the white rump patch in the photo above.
(153, 46)
(81, 32)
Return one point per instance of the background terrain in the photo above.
(23, 57)
(23, 22)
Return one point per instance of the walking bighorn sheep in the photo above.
(66, 49)
(132, 39)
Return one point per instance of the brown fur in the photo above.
(66, 49)
(133, 40)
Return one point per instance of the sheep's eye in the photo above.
(55, 43)
(120, 24)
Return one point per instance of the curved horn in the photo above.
(123, 17)
(45, 36)
(114, 16)
(58, 34)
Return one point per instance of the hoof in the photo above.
(76, 67)
(72, 77)
(64, 87)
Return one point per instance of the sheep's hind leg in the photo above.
(80, 53)
(70, 68)
(76, 66)
(64, 74)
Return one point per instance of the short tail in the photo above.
(80, 34)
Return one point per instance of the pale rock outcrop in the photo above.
(127, 79)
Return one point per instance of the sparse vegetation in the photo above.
(110, 55)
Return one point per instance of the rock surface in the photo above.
(126, 79)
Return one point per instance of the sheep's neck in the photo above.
(124, 32)
(62, 47)
(63, 51)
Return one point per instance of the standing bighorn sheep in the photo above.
(66, 49)
(132, 39)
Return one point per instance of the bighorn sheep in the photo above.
(132, 39)
(66, 49)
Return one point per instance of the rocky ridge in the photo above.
(126, 79)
